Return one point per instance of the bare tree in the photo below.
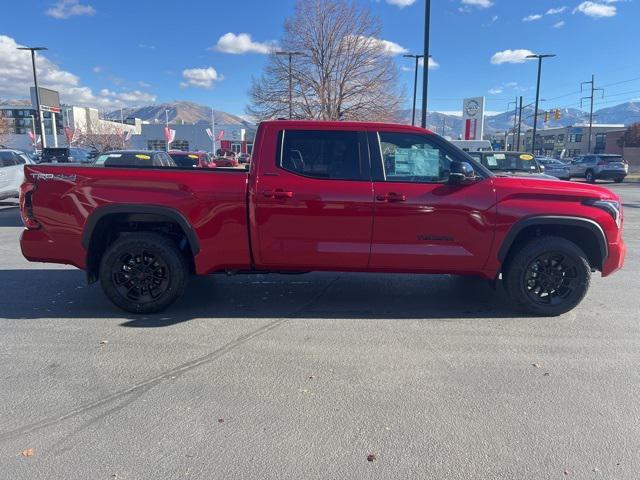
(346, 72)
(5, 129)
(101, 137)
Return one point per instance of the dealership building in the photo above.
(570, 141)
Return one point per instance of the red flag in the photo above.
(221, 135)
(169, 135)
(32, 136)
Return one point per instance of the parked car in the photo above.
(192, 159)
(55, 155)
(244, 158)
(80, 155)
(341, 196)
(600, 167)
(516, 164)
(12, 164)
(555, 168)
(135, 158)
(226, 162)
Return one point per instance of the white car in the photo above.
(12, 164)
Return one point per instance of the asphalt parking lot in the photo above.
(303, 377)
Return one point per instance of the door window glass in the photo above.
(331, 155)
(410, 157)
(7, 159)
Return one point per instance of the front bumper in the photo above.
(615, 260)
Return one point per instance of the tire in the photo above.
(619, 180)
(551, 265)
(590, 177)
(143, 272)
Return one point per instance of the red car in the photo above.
(192, 159)
(226, 162)
(335, 196)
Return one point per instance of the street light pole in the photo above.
(540, 57)
(519, 123)
(290, 55)
(425, 64)
(415, 85)
(33, 51)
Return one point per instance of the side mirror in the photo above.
(461, 173)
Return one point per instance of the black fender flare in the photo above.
(587, 223)
(135, 208)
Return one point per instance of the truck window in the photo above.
(410, 157)
(321, 154)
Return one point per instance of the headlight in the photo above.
(612, 207)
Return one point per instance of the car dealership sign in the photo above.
(473, 118)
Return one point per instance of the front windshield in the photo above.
(510, 162)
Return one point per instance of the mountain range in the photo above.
(190, 112)
(178, 112)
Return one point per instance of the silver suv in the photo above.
(601, 166)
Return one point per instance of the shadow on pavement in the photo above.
(63, 293)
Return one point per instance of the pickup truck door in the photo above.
(421, 222)
(314, 202)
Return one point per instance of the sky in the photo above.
(112, 53)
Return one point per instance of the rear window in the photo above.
(322, 154)
(611, 159)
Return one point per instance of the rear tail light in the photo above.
(26, 206)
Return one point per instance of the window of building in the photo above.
(236, 148)
(561, 138)
(410, 157)
(157, 144)
(575, 138)
(321, 154)
(182, 145)
(250, 148)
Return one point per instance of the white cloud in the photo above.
(401, 3)
(559, 24)
(130, 97)
(144, 84)
(241, 43)
(96, 69)
(477, 3)
(16, 77)
(597, 9)
(146, 47)
(64, 9)
(532, 18)
(555, 11)
(505, 86)
(433, 65)
(496, 90)
(510, 56)
(200, 77)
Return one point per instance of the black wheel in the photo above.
(590, 176)
(143, 272)
(547, 276)
(619, 180)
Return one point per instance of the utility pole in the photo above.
(425, 64)
(33, 51)
(515, 118)
(444, 124)
(519, 123)
(593, 90)
(290, 55)
(415, 85)
(535, 115)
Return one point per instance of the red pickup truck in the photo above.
(338, 196)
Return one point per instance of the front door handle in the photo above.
(278, 193)
(392, 197)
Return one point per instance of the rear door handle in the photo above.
(392, 197)
(278, 193)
